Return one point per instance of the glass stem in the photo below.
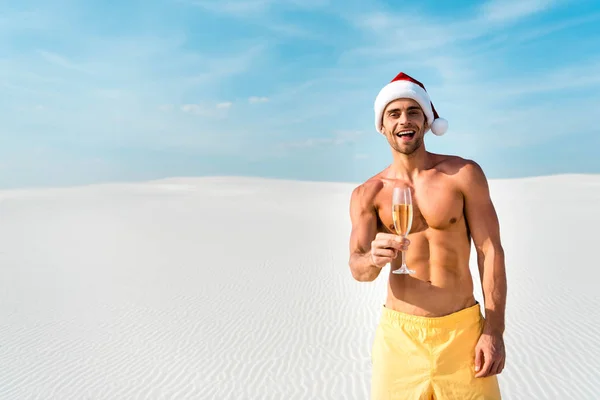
(403, 259)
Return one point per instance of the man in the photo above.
(432, 341)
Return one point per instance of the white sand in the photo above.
(234, 288)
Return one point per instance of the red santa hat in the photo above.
(403, 86)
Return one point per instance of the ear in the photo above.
(382, 129)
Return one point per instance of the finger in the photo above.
(493, 368)
(478, 359)
(500, 366)
(386, 244)
(384, 252)
(380, 262)
(397, 242)
(378, 243)
(485, 369)
(483, 364)
(384, 236)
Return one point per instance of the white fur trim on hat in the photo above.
(407, 89)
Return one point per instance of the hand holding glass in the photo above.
(402, 211)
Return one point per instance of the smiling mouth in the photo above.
(406, 134)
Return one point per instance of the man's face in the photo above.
(404, 125)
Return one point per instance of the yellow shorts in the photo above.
(429, 358)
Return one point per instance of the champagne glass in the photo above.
(402, 211)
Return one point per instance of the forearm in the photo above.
(362, 267)
(494, 288)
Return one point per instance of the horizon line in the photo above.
(190, 178)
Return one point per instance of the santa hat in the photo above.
(403, 86)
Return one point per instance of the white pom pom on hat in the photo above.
(439, 125)
(402, 87)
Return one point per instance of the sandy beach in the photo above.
(239, 288)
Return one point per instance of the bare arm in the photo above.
(364, 230)
(490, 355)
(483, 222)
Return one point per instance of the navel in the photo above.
(453, 220)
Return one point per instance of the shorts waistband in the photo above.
(464, 317)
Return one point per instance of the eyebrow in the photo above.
(408, 109)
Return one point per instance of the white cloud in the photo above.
(111, 93)
(59, 60)
(225, 105)
(256, 100)
(110, 89)
(144, 91)
(218, 68)
(458, 60)
(509, 10)
(338, 138)
(252, 8)
(574, 76)
(417, 36)
(192, 108)
(14, 21)
(206, 110)
(166, 107)
(239, 8)
(265, 14)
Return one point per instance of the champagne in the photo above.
(403, 215)
(402, 212)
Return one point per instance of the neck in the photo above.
(408, 167)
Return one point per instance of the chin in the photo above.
(407, 148)
(407, 152)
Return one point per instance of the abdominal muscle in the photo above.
(442, 282)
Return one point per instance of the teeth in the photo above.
(406, 133)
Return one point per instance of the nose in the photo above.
(403, 118)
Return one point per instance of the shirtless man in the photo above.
(432, 341)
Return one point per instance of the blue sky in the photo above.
(144, 90)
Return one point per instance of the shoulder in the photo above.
(472, 177)
(363, 196)
(466, 175)
(464, 171)
(367, 190)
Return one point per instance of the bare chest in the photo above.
(436, 205)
